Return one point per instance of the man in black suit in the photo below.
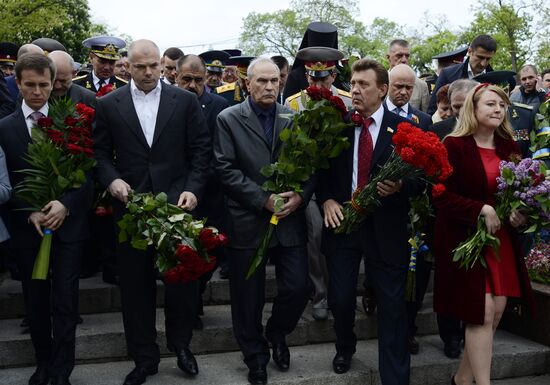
(66, 216)
(191, 75)
(480, 52)
(63, 83)
(159, 135)
(103, 56)
(381, 239)
(246, 139)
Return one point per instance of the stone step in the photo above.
(97, 296)
(101, 336)
(516, 361)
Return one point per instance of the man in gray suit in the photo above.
(246, 139)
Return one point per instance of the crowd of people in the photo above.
(200, 128)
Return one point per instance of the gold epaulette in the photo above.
(522, 105)
(292, 97)
(344, 93)
(225, 88)
(122, 80)
(79, 77)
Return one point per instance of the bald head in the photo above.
(402, 79)
(64, 65)
(143, 47)
(144, 64)
(29, 48)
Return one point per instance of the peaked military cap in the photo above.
(49, 45)
(8, 52)
(215, 60)
(233, 52)
(498, 78)
(105, 47)
(319, 61)
(452, 57)
(242, 63)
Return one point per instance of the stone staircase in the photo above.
(101, 352)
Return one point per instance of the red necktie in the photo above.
(364, 156)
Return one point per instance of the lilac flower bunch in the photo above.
(538, 262)
(523, 186)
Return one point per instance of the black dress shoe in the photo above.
(187, 362)
(224, 272)
(41, 376)
(60, 380)
(110, 277)
(258, 376)
(139, 375)
(281, 356)
(413, 345)
(452, 348)
(24, 323)
(369, 304)
(341, 363)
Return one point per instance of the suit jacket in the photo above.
(180, 153)
(459, 292)
(7, 106)
(14, 139)
(241, 150)
(388, 222)
(87, 82)
(423, 120)
(443, 128)
(81, 95)
(420, 98)
(447, 76)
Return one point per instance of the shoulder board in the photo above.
(292, 97)
(122, 80)
(521, 105)
(344, 93)
(225, 88)
(80, 77)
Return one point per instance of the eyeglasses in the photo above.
(189, 79)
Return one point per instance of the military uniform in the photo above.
(234, 92)
(8, 57)
(295, 102)
(522, 119)
(87, 81)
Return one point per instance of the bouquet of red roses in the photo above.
(59, 158)
(182, 243)
(315, 137)
(416, 153)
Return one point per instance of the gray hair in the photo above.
(461, 85)
(260, 60)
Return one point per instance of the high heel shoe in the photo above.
(453, 380)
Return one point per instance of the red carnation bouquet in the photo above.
(416, 153)
(315, 137)
(59, 158)
(104, 90)
(182, 243)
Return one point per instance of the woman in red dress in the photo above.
(478, 295)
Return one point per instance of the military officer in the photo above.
(8, 57)
(215, 64)
(103, 56)
(320, 70)
(236, 92)
(230, 71)
(444, 60)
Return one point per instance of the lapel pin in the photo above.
(390, 130)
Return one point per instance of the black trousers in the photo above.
(389, 283)
(423, 272)
(138, 292)
(52, 304)
(248, 299)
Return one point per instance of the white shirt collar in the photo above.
(137, 92)
(27, 110)
(96, 80)
(392, 107)
(471, 72)
(378, 115)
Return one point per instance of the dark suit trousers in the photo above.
(423, 272)
(138, 292)
(389, 282)
(52, 304)
(248, 299)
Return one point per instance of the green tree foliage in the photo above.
(67, 21)
(515, 26)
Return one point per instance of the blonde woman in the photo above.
(478, 295)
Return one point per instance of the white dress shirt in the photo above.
(97, 80)
(374, 130)
(404, 109)
(27, 111)
(471, 73)
(147, 107)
